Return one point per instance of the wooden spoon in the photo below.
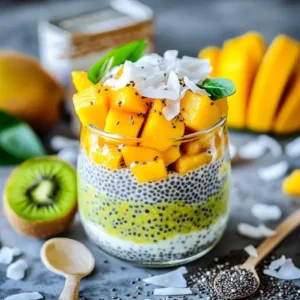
(70, 259)
(284, 229)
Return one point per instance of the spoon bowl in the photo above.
(70, 259)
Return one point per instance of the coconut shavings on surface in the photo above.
(172, 291)
(292, 149)
(273, 172)
(284, 269)
(255, 232)
(251, 250)
(167, 77)
(7, 254)
(25, 296)
(16, 270)
(266, 212)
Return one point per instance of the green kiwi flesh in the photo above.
(42, 189)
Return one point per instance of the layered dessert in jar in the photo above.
(154, 167)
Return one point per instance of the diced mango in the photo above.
(150, 171)
(171, 155)
(81, 81)
(130, 100)
(201, 144)
(159, 130)
(271, 79)
(291, 184)
(123, 123)
(139, 154)
(199, 111)
(212, 53)
(91, 106)
(287, 120)
(107, 155)
(90, 140)
(186, 163)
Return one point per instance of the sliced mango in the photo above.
(291, 184)
(171, 155)
(287, 120)
(139, 154)
(157, 126)
(81, 81)
(123, 123)
(91, 106)
(186, 163)
(212, 53)
(150, 171)
(198, 145)
(271, 79)
(107, 155)
(200, 112)
(130, 100)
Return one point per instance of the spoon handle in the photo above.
(71, 288)
(286, 227)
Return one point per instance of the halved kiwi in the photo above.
(40, 197)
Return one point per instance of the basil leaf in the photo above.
(218, 87)
(131, 51)
(18, 141)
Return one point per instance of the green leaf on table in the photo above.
(218, 87)
(18, 141)
(132, 51)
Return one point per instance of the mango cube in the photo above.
(291, 184)
(81, 80)
(171, 155)
(198, 145)
(150, 171)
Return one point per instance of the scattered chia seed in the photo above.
(98, 91)
(128, 84)
(118, 122)
(105, 90)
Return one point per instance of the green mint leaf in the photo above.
(18, 141)
(218, 87)
(131, 51)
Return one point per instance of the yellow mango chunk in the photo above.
(186, 163)
(150, 171)
(271, 79)
(130, 100)
(107, 155)
(170, 155)
(139, 154)
(123, 123)
(287, 120)
(157, 126)
(199, 111)
(212, 53)
(291, 184)
(91, 106)
(90, 140)
(198, 145)
(81, 81)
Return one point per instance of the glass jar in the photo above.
(162, 222)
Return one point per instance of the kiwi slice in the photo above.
(40, 197)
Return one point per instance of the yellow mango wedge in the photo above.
(170, 155)
(291, 184)
(212, 53)
(288, 120)
(276, 68)
(81, 81)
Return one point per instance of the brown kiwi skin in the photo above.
(38, 229)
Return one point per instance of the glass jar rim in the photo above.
(186, 137)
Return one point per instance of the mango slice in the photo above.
(213, 54)
(200, 112)
(91, 106)
(107, 155)
(198, 145)
(171, 155)
(271, 79)
(239, 61)
(157, 126)
(130, 100)
(291, 184)
(150, 171)
(191, 162)
(81, 81)
(124, 123)
(139, 154)
(287, 120)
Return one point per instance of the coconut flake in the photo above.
(182, 270)
(173, 83)
(252, 150)
(255, 232)
(270, 144)
(251, 250)
(273, 172)
(287, 271)
(60, 142)
(25, 296)
(266, 212)
(16, 270)
(171, 279)
(7, 255)
(171, 110)
(170, 54)
(172, 291)
(194, 88)
(292, 149)
(275, 264)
